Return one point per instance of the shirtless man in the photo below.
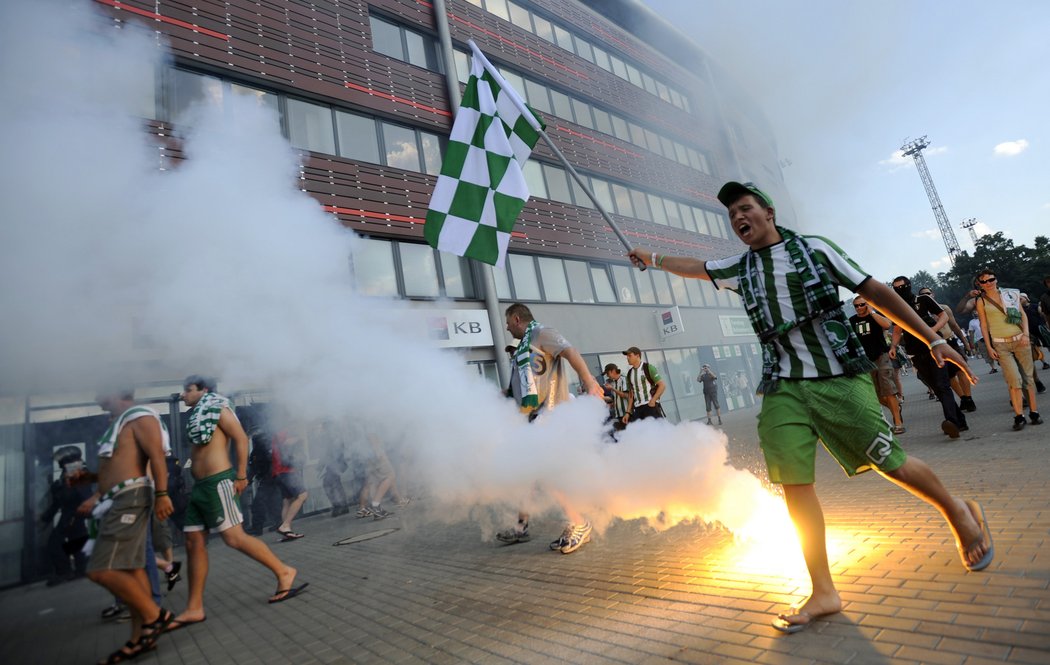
(210, 426)
(121, 509)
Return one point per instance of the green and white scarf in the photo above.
(530, 398)
(204, 418)
(822, 304)
(107, 443)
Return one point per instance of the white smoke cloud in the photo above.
(1011, 148)
(226, 268)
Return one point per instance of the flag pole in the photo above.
(527, 113)
(488, 281)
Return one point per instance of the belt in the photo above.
(1002, 340)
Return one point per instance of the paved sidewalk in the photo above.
(439, 594)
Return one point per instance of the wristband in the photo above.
(235, 479)
(660, 261)
(652, 260)
(937, 342)
(160, 493)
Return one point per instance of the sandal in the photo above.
(129, 651)
(152, 631)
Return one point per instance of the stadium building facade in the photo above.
(360, 89)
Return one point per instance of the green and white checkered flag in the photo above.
(481, 189)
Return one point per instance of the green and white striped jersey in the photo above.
(805, 352)
(638, 384)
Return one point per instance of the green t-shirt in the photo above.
(639, 386)
(805, 352)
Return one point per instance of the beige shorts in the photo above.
(882, 377)
(1016, 361)
(121, 542)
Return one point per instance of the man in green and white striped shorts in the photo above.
(814, 382)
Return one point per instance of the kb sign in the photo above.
(670, 322)
(449, 328)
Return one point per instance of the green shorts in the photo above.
(842, 413)
(214, 506)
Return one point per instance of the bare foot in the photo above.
(977, 544)
(799, 617)
(286, 580)
(191, 616)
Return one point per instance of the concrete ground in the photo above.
(430, 593)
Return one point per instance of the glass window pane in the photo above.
(431, 152)
(701, 221)
(583, 49)
(681, 295)
(646, 295)
(694, 158)
(623, 200)
(534, 179)
(557, 184)
(667, 147)
(401, 149)
(602, 122)
(641, 206)
(537, 96)
(555, 288)
(579, 196)
(681, 155)
(189, 89)
(579, 281)
(563, 38)
(602, 286)
(620, 129)
(618, 67)
(499, 8)
(515, 80)
(703, 162)
(714, 222)
(663, 288)
(543, 28)
(374, 267)
(310, 126)
(633, 75)
(583, 113)
(695, 294)
(456, 271)
(601, 192)
(519, 16)
(357, 137)
(419, 269)
(653, 141)
(526, 284)
(561, 105)
(462, 66)
(386, 38)
(260, 97)
(601, 58)
(648, 83)
(499, 275)
(637, 135)
(674, 215)
(624, 284)
(676, 99)
(417, 49)
(656, 206)
(663, 92)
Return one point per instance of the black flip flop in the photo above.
(288, 593)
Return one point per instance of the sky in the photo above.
(845, 84)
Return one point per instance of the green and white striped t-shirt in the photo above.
(639, 386)
(804, 352)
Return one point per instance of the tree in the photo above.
(1016, 266)
(923, 279)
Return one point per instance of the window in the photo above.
(418, 51)
(583, 113)
(373, 263)
(534, 179)
(563, 38)
(386, 38)
(537, 96)
(601, 192)
(561, 105)
(543, 28)
(403, 44)
(526, 284)
(514, 79)
(624, 284)
(656, 204)
(618, 67)
(260, 97)
(455, 271)
(188, 90)
(462, 66)
(401, 149)
(557, 184)
(499, 8)
(499, 275)
(602, 121)
(646, 295)
(663, 288)
(681, 294)
(579, 281)
(620, 130)
(357, 137)
(602, 285)
(692, 286)
(419, 270)
(310, 126)
(623, 200)
(520, 16)
(578, 194)
(641, 208)
(583, 49)
(431, 152)
(555, 287)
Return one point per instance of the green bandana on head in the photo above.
(822, 303)
(523, 360)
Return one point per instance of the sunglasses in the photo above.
(986, 281)
(860, 304)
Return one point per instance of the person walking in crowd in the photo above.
(709, 381)
(539, 384)
(333, 466)
(265, 505)
(814, 380)
(616, 383)
(1031, 311)
(288, 477)
(936, 376)
(953, 334)
(645, 386)
(211, 426)
(135, 439)
(1004, 325)
(69, 533)
(870, 328)
(380, 480)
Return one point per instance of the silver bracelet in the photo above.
(652, 260)
(938, 342)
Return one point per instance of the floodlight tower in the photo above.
(914, 150)
(968, 225)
